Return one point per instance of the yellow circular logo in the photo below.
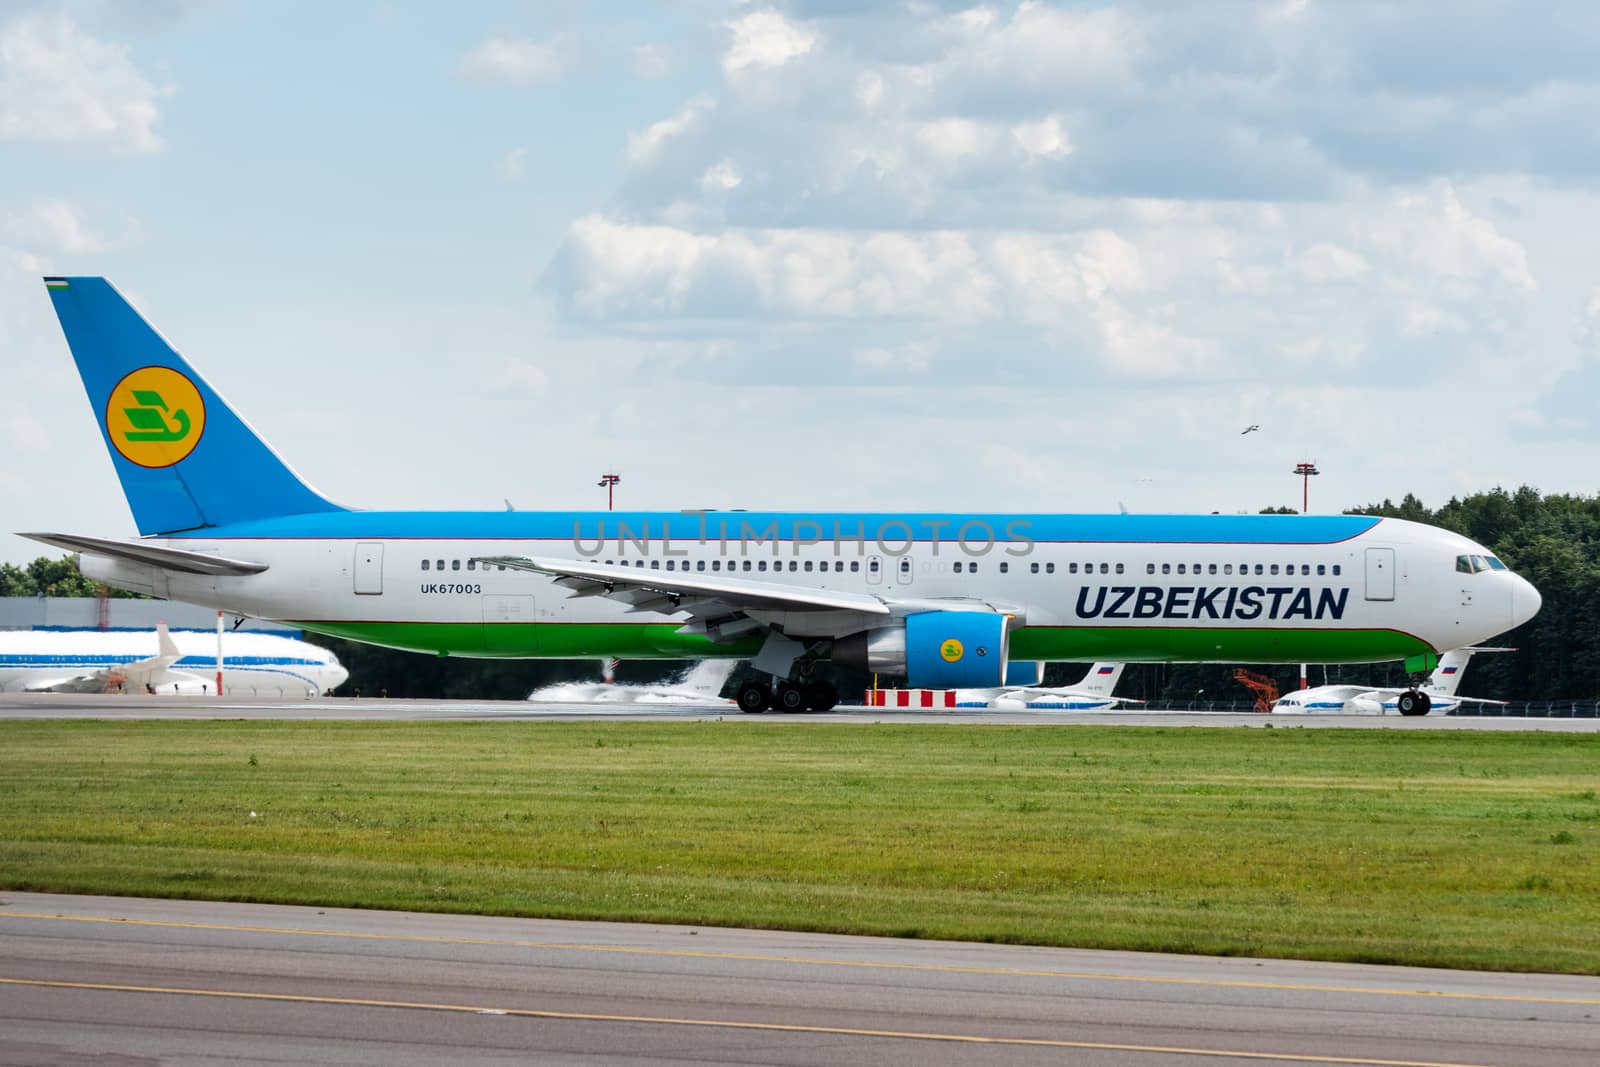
(952, 650)
(155, 417)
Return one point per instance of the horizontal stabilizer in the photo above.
(171, 559)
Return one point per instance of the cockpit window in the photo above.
(1495, 564)
(1463, 564)
(1477, 564)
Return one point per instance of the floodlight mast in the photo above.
(608, 482)
(1305, 471)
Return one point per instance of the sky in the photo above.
(818, 255)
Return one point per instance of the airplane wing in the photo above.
(1038, 692)
(69, 681)
(715, 604)
(1478, 700)
(172, 559)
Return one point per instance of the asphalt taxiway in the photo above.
(140, 706)
(124, 981)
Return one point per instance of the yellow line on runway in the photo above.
(729, 1024)
(937, 968)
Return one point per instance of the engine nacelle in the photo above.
(934, 650)
(1025, 672)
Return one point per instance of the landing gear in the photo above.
(754, 698)
(1413, 702)
(814, 695)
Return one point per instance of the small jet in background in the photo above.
(1439, 694)
(88, 661)
(700, 684)
(1093, 693)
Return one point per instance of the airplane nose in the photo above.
(1525, 601)
(337, 676)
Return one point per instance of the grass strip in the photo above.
(1461, 849)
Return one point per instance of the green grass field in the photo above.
(1467, 849)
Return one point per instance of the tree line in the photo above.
(1553, 540)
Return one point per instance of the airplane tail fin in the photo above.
(1101, 679)
(166, 647)
(185, 459)
(1446, 677)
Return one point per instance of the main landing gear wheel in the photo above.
(1413, 703)
(790, 697)
(754, 698)
(821, 696)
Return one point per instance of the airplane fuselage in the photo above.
(1134, 588)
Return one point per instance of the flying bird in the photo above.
(1249, 429)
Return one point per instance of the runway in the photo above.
(130, 981)
(138, 706)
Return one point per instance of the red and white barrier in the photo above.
(911, 698)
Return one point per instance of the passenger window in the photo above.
(1180, 568)
(1049, 568)
(472, 564)
(746, 564)
(424, 564)
(716, 565)
(455, 564)
(808, 566)
(1119, 568)
(672, 564)
(838, 566)
(1211, 568)
(855, 565)
(699, 564)
(1033, 567)
(1274, 568)
(1322, 568)
(1336, 570)
(762, 565)
(655, 564)
(1149, 568)
(972, 568)
(1305, 569)
(1166, 568)
(957, 566)
(1005, 568)
(1072, 568)
(1260, 571)
(793, 566)
(1227, 568)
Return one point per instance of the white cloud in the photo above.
(522, 376)
(913, 356)
(504, 61)
(1327, 262)
(642, 147)
(1045, 138)
(765, 39)
(651, 62)
(514, 164)
(54, 226)
(721, 177)
(59, 84)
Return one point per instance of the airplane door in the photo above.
(369, 568)
(1380, 574)
(874, 570)
(502, 614)
(905, 569)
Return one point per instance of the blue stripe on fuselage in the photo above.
(893, 529)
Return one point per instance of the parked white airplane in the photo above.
(88, 661)
(1093, 693)
(941, 600)
(700, 684)
(1439, 694)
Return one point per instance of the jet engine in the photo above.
(933, 650)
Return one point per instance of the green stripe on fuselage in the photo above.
(1068, 644)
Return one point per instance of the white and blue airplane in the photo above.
(1092, 693)
(89, 661)
(941, 600)
(1438, 694)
